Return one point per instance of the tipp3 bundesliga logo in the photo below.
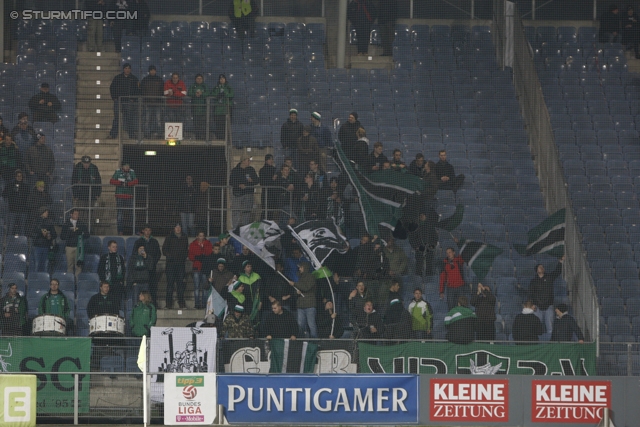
(189, 384)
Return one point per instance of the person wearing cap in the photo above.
(306, 150)
(320, 131)
(176, 249)
(237, 324)
(86, 184)
(268, 175)
(124, 179)
(44, 105)
(23, 133)
(222, 97)
(74, 232)
(291, 130)
(347, 135)
(565, 326)
(631, 31)
(243, 179)
(44, 237)
(10, 159)
(198, 93)
(94, 25)
(38, 197)
(39, 161)
(199, 250)
(252, 283)
(16, 194)
(152, 248)
(220, 276)
(152, 90)
(174, 91)
(124, 89)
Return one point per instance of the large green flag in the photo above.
(547, 237)
(478, 256)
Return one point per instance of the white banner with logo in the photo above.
(190, 399)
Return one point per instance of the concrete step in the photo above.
(82, 85)
(372, 62)
(113, 66)
(107, 75)
(104, 150)
(90, 119)
(88, 58)
(89, 92)
(93, 134)
(176, 317)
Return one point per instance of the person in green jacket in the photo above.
(198, 94)
(56, 303)
(222, 95)
(143, 316)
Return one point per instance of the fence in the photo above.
(549, 168)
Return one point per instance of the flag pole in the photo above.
(142, 365)
(289, 281)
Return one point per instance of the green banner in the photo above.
(50, 355)
(479, 359)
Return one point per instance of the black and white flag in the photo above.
(319, 238)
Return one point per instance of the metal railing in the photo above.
(90, 208)
(549, 169)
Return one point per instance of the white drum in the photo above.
(106, 324)
(49, 324)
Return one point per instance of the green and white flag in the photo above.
(547, 237)
(259, 237)
(292, 356)
(479, 256)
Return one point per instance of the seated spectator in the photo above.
(44, 105)
(39, 161)
(376, 159)
(237, 324)
(368, 322)
(280, 323)
(306, 150)
(461, 323)
(44, 238)
(397, 259)
(174, 91)
(308, 199)
(527, 326)
(421, 316)
(446, 174)
(416, 166)
(23, 133)
(485, 303)
(56, 303)
(10, 159)
(14, 312)
(565, 326)
(371, 262)
(143, 316)
(104, 302)
(291, 130)
(317, 173)
(329, 323)
(397, 163)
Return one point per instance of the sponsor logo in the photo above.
(189, 392)
(569, 401)
(469, 400)
(482, 362)
(196, 381)
(17, 404)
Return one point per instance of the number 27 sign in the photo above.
(173, 131)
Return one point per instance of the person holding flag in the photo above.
(306, 303)
(541, 293)
(452, 278)
(252, 283)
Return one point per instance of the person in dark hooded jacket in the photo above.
(291, 130)
(347, 135)
(306, 302)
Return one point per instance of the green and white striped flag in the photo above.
(292, 356)
(547, 237)
(479, 256)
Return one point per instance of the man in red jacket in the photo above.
(198, 250)
(174, 91)
(452, 277)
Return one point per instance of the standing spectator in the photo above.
(198, 93)
(631, 31)
(252, 284)
(323, 135)
(44, 237)
(461, 323)
(152, 89)
(222, 95)
(124, 179)
(368, 322)
(220, 277)
(112, 272)
(138, 273)
(174, 91)
(152, 248)
(16, 193)
(267, 176)
(120, 26)
(280, 323)
(291, 264)
(397, 259)
(416, 166)
(86, 182)
(23, 133)
(541, 293)
(527, 327)
(317, 173)
(144, 316)
(445, 173)
(362, 13)
(94, 26)
(306, 302)
(39, 161)
(176, 250)
(227, 250)
(56, 303)
(14, 312)
(485, 303)
(291, 130)
(307, 150)
(452, 278)
(187, 206)
(353, 139)
(237, 324)
(140, 25)
(565, 326)
(376, 159)
(243, 179)
(387, 15)
(124, 88)
(243, 17)
(610, 26)
(44, 105)
(309, 199)
(199, 250)
(421, 316)
(73, 233)
(38, 197)
(328, 320)
(10, 160)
